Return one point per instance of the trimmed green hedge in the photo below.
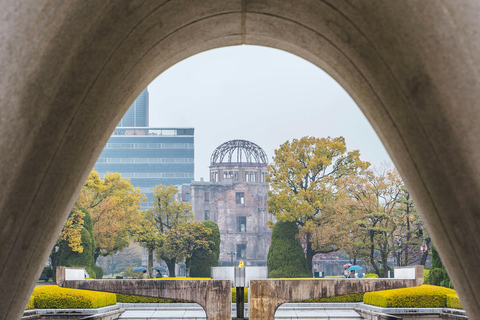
(356, 297)
(138, 299)
(371, 276)
(125, 298)
(54, 297)
(425, 296)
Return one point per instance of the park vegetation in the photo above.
(106, 218)
(340, 203)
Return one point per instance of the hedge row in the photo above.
(125, 298)
(54, 297)
(138, 299)
(425, 296)
(356, 297)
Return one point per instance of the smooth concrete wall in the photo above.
(70, 70)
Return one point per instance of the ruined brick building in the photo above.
(236, 199)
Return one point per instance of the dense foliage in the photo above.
(356, 297)
(169, 230)
(286, 258)
(202, 260)
(54, 297)
(304, 182)
(438, 275)
(67, 256)
(425, 296)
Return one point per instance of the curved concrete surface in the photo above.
(70, 69)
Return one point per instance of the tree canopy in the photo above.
(286, 258)
(304, 179)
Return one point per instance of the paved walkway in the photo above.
(191, 311)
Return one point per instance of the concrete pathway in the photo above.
(191, 311)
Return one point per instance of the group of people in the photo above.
(351, 273)
(144, 275)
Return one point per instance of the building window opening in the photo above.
(240, 197)
(241, 251)
(187, 197)
(207, 196)
(207, 215)
(241, 224)
(235, 176)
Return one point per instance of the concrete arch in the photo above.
(70, 69)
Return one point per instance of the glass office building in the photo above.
(148, 156)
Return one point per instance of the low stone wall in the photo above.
(214, 296)
(267, 295)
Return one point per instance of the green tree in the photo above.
(286, 258)
(438, 276)
(72, 256)
(202, 260)
(168, 214)
(115, 208)
(185, 239)
(375, 197)
(304, 178)
(148, 235)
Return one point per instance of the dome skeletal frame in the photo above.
(238, 151)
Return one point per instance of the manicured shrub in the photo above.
(85, 259)
(31, 303)
(234, 295)
(453, 301)
(356, 297)
(54, 297)
(438, 276)
(48, 271)
(286, 258)
(202, 260)
(371, 276)
(425, 296)
(98, 272)
(125, 298)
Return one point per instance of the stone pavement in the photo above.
(191, 311)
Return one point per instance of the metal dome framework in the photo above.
(238, 151)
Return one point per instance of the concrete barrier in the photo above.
(214, 296)
(267, 295)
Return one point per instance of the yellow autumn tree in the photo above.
(305, 184)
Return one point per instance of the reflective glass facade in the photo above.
(137, 114)
(148, 156)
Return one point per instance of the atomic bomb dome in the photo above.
(238, 151)
(235, 198)
(238, 161)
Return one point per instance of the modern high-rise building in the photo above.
(148, 156)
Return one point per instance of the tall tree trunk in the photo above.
(150, 261)
(310, 254)
(408, 237)
(385, 265)
(171, 266)
(372, 254)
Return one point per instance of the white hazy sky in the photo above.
(259, 94)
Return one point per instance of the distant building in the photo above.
(148, 156)
(235, 199)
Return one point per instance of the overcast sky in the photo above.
(259, 94)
